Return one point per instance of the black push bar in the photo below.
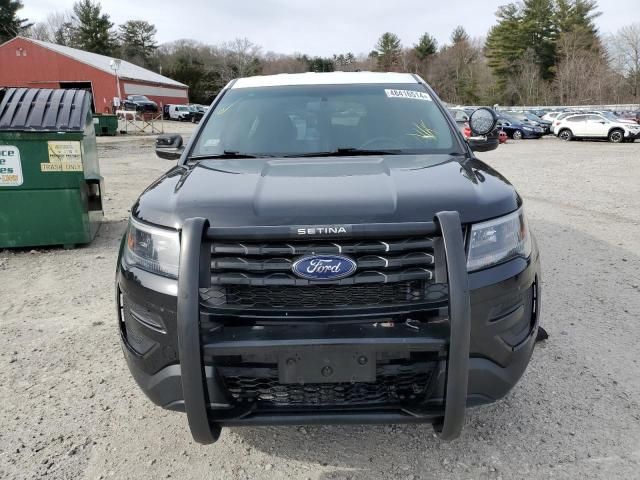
(192, 372)
(460, 327)
(194, 273)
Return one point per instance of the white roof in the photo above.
(102, 62)
(329, 78)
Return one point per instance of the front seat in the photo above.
(275, 133)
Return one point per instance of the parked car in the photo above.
(197, 112)
(598, 126)
(182, 113)
(537, 113)
(462, 119)
(559, 119)
(459, 115)
(301, 266)
(531, 119)
(140, 103)
(550, 116)
(631, 116)
(518, 129)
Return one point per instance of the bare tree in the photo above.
(583, 75)
(54, 29)
(527, 85)
(273, 63)
(624, 51)
(241, 58)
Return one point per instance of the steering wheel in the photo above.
(370, 144)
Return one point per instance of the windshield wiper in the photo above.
(346, 152)
(228, 154)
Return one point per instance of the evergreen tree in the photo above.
(318, 64)
(504, 45)
(459, 35)
(93, 32)
(10, 25)
(578, 16)
(537, 26)
(539, 33)
(426, 47)
(138, 42)
(388, 51)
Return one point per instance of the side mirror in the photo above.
(483, 126)
(484, 144)
(169, 147)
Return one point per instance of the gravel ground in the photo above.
(70, 409)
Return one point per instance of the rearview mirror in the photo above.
(169, 147)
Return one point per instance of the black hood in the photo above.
(313, 191)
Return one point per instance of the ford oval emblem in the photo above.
(324, 267)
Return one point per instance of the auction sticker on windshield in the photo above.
(10, 166)
(412, 94)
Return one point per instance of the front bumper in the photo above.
(532, 134)
(632, 135)
(477, 355)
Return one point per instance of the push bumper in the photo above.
(477, 359)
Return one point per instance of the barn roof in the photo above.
(127, 70)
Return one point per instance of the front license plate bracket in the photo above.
(326, 365)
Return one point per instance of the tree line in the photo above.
(539, 52)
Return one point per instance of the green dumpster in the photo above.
(105, 124)
(50, 183)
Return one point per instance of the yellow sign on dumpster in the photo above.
(64, 156)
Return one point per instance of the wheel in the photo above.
(517, 135)
(565, 135)
(616, 136)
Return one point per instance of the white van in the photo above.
(179, 112)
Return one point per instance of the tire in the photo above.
(565, 135)
(616, 136)
(517, 135)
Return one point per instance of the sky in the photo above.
(320, 27)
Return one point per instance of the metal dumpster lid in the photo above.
(44, 110)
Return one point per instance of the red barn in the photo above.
(25, 62)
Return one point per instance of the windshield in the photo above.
(610, 116)
(509, 118)
(305, 119)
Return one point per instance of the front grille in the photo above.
(258, 275)
(394, 384)
(325, 296)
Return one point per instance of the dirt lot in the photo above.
(70, 409)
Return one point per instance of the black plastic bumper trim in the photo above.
(427, 339)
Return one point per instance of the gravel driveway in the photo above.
(70, 409)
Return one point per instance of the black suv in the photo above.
(328, 249)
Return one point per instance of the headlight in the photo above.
(153, 249)
(499, 240)
(527, 128)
